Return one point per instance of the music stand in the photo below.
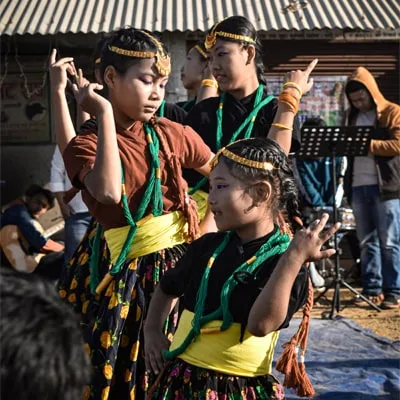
(332, 141)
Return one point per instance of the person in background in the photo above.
(75, 212)
(374, 189)
(196, 76)
(22, 215)
(41, 347)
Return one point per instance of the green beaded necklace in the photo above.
(151, 197)
(247, 123)
(276, 244)
(161, 109)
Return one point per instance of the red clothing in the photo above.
(184, 142)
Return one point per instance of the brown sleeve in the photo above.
(79, 157)
(194, 152)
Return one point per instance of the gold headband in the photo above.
(163, 61)
(201, 51)
(266, 166)
(132, 53)
(211, 38)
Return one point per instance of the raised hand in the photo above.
(86, 96)
(307, 242)
(59, 70)
(302, 78)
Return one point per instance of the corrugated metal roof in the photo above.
(64, 16)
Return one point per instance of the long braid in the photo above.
(289, 197)
(188, 204)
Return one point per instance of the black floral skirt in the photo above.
(182, 381)
(112, 322)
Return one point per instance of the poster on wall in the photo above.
(326, 99)
(25, 109)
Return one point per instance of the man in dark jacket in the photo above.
(374, 189)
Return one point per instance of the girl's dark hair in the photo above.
(99, 48)
(242, 26)
(284, 199)
(127, 39)
(34, 190)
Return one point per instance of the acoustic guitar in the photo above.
(15, 247)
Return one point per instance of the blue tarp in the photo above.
(346, 361)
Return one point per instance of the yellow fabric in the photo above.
(201, 199)
(222, 351)
(153, 235)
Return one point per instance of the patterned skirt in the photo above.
(112, 322)
(182, 381)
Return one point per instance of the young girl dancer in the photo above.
(240, 286)
(244, 108)
(128, 166)
(194, 76)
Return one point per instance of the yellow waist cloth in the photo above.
(221, 350)
(201, 199)
(153, 234)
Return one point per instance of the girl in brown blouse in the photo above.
(128, 165)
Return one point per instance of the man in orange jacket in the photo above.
(374, 189)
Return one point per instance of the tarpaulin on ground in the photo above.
(346, 361)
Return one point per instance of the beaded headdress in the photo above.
(211, 37)
(163, 61)
(265, 165)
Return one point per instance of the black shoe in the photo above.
(391, 302)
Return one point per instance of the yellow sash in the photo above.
(153, 234)
(201, 199)
(221, 350)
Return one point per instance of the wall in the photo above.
(176, 43)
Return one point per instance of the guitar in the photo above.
(13, 245)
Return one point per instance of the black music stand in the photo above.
(332, 141)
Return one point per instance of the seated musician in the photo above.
(22, 239)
